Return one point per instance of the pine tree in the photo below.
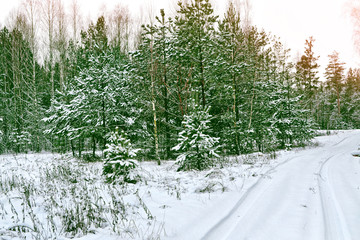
(306, 75)
(289, 122)
(162, 50)
(229, 66)
(96, 100)
(195, 28)
(155, 66)
(119, 158)
(197, 149)
(335, 75)
(261, 74)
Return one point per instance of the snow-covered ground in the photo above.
(311, 193)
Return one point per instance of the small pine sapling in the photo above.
(119, 159)
(198, 150)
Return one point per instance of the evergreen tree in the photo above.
(288, 121)
(197, 149)
(162, 48)
(229, 67)
(261, 75)
(5, 89)
(98, 99)
(119, 158)
(95, 39)
(334, 73)
(240, 76)
(195, 28)
(155, 67)
(350, 99)
(144, 75)
(306, 76)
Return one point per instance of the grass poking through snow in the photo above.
(50, 196)
(46, 196)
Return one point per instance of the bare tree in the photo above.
(49, 9)
(18, 85)
(14, 19)
(173, 7)
(61, 40)
(119, 27)
(75, 16)
(246, 12)
(31, 8)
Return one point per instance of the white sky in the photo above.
(328, 21)
(293, 21)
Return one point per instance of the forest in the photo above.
(192, 87)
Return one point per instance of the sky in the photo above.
(328, 21)
(293, 21)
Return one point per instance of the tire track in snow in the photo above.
(347, 189)
(345, 138)
(224, 221)
(334, 219)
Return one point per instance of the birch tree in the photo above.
(50, 10)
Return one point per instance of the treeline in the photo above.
(233, 83)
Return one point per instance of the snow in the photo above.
(355, 153)
(307, 193)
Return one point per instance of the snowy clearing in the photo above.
(311, 193)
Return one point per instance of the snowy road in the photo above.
(308, 194)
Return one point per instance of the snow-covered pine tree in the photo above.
(119, 158)
(289, 122)
(228, 67)
(198, 150)
(194, 31)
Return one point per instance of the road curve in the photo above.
(314, 194)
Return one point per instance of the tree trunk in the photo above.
(166, 102)
(72, 147)
(251, 104)
(202, 81)
(156, 141)
(80, 147)
(338, 99)
(235, 107)
(94, 145)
